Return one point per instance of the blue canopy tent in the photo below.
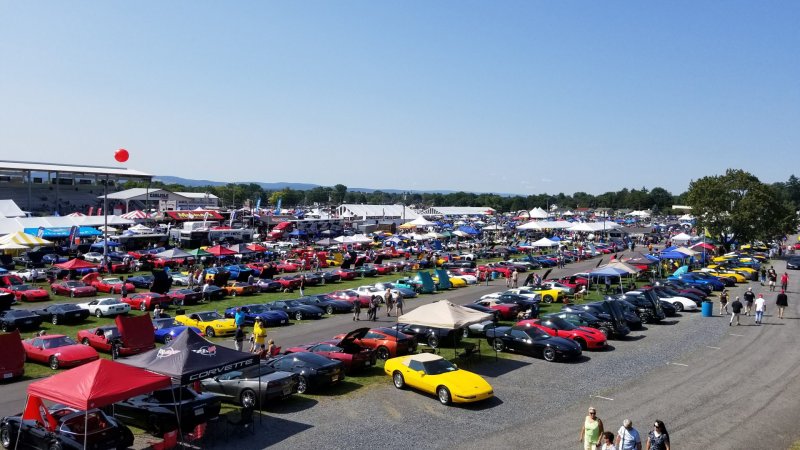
(608, 272)
(673, 255)
(297, 233)
(468, 230)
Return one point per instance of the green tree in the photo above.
(339, 193)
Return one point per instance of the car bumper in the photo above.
(472, 397)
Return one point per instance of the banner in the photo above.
(40, 232)
(35, 410)
(278, 207)
(73, 233)
(258, 204)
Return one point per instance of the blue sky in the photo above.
(519, 97)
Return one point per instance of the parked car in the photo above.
(508, 311)
(141, 281)
(211, 292)
(155, 412)
(268, 285)
(588, 338)
(242, 386)
(612, 313)
(27, 293)
(58, 351)
(73, 289)
(532, 341)
(583, 319)
(296, 309)
(19, 319)
(113, 285)
(329, 305)
(73, 429)
(435, 375)
(108, 339)
(147, 301)
(270, 316)
(314, 371)
(240, 288)
(351, 296)
(647, 304)
(386, 342)
(167, 329)
(184, 297)
(62, 313)
(106, 306)
(353, 356)
(433, 337)
(30, 275)
(211, 323)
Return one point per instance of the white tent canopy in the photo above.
(444, 314)
(545, 225)
(687, 251)
(594, 226)
(422, 222)
(537, 213)
(682, 237)
(544, 242)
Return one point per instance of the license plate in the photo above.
(7, 375)
(198, 412)
(28, 322)
(283, 321)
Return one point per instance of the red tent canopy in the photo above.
(97, 384)
(704, 245)
(219, 250)
(73, 264)
(256, 248)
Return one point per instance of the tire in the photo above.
(433, 341)
(298, 315)
(549, 354)
(302, 385)
(247, 398)
(398, 380)
(210, 332)
(498, 345)
(547, 299)
(98, 313)
(443, 394)
(72, 294)
(85, 341)
(382, 353)
(24, 298)
(582, 343)
(53, 362)
(606, 332)
(167, 339)
(329, 310)
(143, 306)
(7, 437)
(678, 306)
(55, 445)
(465, 333)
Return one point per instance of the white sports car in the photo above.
(106, 306)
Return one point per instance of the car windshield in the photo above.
(255, 309)
(67, 307)
(438, 366)
(534, 332)
(75, 284)
(94, 422)
(160, 324)
(109, 301)
(21, 287)
(562, 324)
(112, 281)
(111, 333)
(292, 303)
(207, 316)
(57, 342)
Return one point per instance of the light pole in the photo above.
(105, 222)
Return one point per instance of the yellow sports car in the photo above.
(548, 295)
(748, 272)
(436, 375)
(454, 282)
(717, 272)
(211, 323)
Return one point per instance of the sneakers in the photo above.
(729, 323)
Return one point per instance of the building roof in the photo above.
(459, 211)
(198, 195)
(123, 172)
(8, 208)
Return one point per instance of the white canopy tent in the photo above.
(444, 314)
(537, 213)
(682, 237)
(594, 227)
(545, 225)
(544, 242)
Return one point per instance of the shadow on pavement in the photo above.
(268, 432)
(291, 405)
(488, 367)
(480, 406)
(668, 322)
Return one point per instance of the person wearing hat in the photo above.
(781, 302)
(627, 437)
(749, 298)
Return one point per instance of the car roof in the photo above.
(421, 357)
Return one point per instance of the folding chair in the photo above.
(197, 435)
(169, 441)
(244, 423)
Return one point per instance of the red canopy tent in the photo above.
(74, 264)
(703, 245)
(219, 250)
(256, 248)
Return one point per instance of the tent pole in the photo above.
(85, 426)
(260, 412)
(177, 412)
(27, 399)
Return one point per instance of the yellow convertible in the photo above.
(718, 272)
(210, 322)
(436, 375)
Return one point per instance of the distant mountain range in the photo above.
(167, 179)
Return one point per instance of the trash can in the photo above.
(494, 275)
(707, 308)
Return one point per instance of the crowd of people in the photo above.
(593, 435)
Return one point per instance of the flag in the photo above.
(278, 207)
(100, 211)
(73, 233)
(91, 210)
(233, 217)
(258, 204)
(35, 410)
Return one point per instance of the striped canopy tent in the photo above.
(12, 246)
(198, 252)
(23, 238)
(135, 215)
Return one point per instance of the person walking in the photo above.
(627, 437)
(763, 273)
(761, 308)
(123, 289)
(515, 278)
(658, 438)
(259, 334)
(781, 302)
(749, 298)
(157, 311)
(398, 304)
(723, 302)
(356, 310)
(784, 282)
(736, 309)
(591, 430)
(389, 299)
(302, 284)
(608, 441)
(772, 276)
(238, 339)
(508, 280)
(240, 316)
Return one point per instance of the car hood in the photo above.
(136, 332)
(355, 334)
(462, 382)
(75, 352)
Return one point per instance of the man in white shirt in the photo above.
(627, 437)
(761, 307)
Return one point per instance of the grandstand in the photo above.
(51, 188)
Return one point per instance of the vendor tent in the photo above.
(198, 252)
(623, 266)
(258, 248)
(444, 314)
(537, 213)
(190, 358)
(241, 249)
(681, 238)
(173, 253)
(219, 250)
(12, 246)
(544, 242)
(23, 238)
(421, 221)
(74, 264)
(135, 215)
(687, 251)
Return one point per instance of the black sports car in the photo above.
(270, 316)
(669, 309)
(621, 320)
(141, 281)
(328, 277)
(525, 303)
(296, 309)
(434, 337)
(185, 297)
(20, 319)
(329, 305)
(211, 292)
(72, 426)
(156, 411)
(314, 371)
(532, 341)
(62, 312)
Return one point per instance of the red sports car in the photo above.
(289, 265)
(112, 285)
(288, 282)
(345, 274)
(73, 289)
(508, 311)
(101, 338)
(185, 297)
(146, 301)
(351, 296)
(354, 356)
(383, 269)
(28, 293)
(386, 342)
(588, 338)
(58, 351)
(503, 270)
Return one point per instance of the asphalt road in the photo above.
(715, 386)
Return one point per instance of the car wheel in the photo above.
(499, 345)
(54, 362)
(433, 341)
(72, 294)
(329, 310)
(582, 343)
(678, 306)
(444, 395)
(167, 339)
(7, 437)
(606, 332)
(55, 445)
(248, 398)
(302, 385)
(143, 306)
(210, 332)
(465, 333)
(382, 353)
(98, 313)
(24, 298)
(54, 319)
(298, 315)
(547, 299)
(85, 341)
(398, 380)
(549, 354)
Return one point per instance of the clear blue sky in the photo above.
(515, 96)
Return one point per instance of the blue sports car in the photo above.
(271, 317)
(167, 329)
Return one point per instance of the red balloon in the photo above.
(121, 155)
